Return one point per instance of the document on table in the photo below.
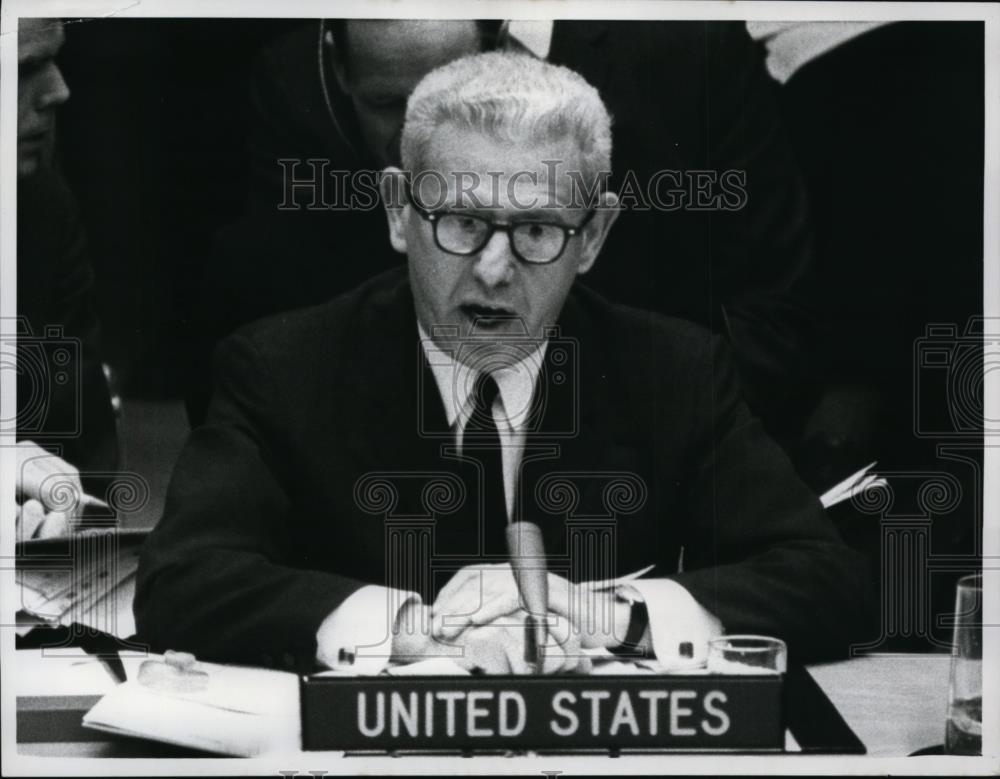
(247, 712)
(83, 579)
(853, 485)
(66, 671)
(243, 712)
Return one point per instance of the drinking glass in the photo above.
(747, 655)
(964, 727)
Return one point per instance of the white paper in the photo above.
(66, 671)
(134, 710)
(608, 584)
(853, 485)
(436, 666)
(242, 711)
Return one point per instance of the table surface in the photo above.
(895, 704)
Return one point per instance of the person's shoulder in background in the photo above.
(353, 325)
(56, 300)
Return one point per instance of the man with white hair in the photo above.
(691, 100)
(346, 502)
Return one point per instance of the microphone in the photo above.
(527, 559)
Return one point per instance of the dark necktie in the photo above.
(481, 441)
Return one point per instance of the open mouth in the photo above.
(37, 133)
(487, 316)
(33, 140)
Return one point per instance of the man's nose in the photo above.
(495, 263)
(55, 92)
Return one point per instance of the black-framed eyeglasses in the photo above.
(532, 241)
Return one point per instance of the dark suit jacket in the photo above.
(325, 436)
(684, 96)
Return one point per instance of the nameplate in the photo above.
(555, 712)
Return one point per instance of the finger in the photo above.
(54, 525)
(554, 660)
(493, 608)
(47, 478)
(488, 594)
(58, 523)
(577, 661)
(577, 664)
(61, 490)
(32, 515)
(464, 657)
(495, 660)
(485, 654)
(574, 659)
(466, 661)
(558, 627)
(459, 581)
(480, 576)
(449, 621)
(28, 479)
(444, 604)
(560, 591)
(514, 651)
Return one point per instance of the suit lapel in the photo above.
(582, 433)
(405, 424)
(577, 429)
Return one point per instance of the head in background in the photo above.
(378, 62)
(40, 90)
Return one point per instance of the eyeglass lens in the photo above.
(535, 242)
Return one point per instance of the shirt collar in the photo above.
(533, 36)
(456, 380)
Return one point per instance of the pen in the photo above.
(531, 642)
(527, 560)
(90, 500)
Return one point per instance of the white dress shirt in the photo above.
(357, 636)
(511, 409)
(531, 35)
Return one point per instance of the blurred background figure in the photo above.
(335, 92)
(65, 420)
(886, 120)
(152, 144)
(41, 89)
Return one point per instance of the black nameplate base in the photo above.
(684, 713)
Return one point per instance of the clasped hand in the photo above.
(480, 612)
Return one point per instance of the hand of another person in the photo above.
(32, 521)
(47, 490)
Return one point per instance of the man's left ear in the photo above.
(596, 231)
(337, 62)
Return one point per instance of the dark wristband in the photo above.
(638, 621)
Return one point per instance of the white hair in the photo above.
(514, 98)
